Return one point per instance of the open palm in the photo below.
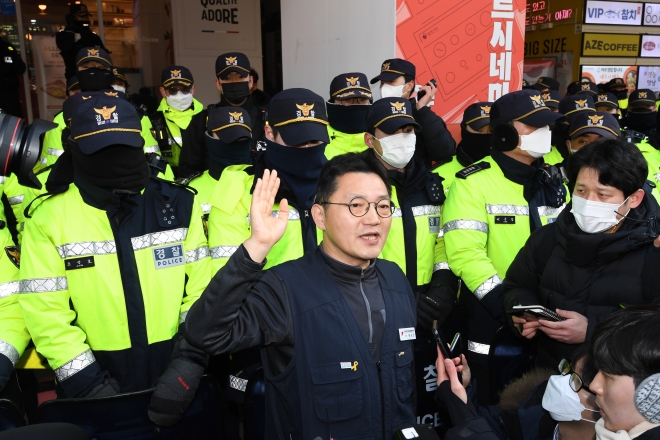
(266, 228)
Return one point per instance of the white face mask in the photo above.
(179, 101)
(537, 144)
(594, 217)
(561, 401)
(119, 88)
(398, 149)
(388, 91)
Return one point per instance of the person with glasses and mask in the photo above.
(337, 326)
(75, 36)
(596, 258)
(350, 100)
(397, 80)
(233, 80)
(175, 112)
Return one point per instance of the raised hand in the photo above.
(266, 229)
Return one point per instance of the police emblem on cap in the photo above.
(485, 110)
(602, 97)
(353, 81)
(85, 98)
(114, 94)
(537, 100)
(106, 113)
(595, 120)
(546, 96)
(580, 103)
(585, 86)
(305, 110)
(386, 66)
(618, 81)
(398, 107)
(642, 94)
(114, 70)
(175, 73)
(92, 52)
(235, 117)
(231, 61)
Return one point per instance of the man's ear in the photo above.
(250, 81)
(268, 132)
(636, 198)
(192, 90)
(218, 85)
(369, 142)
(318, 214)
(162, 91)
(568, 145)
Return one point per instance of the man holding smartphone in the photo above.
(397, 80)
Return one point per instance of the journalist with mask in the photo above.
(234, 82)
(492, 208)
(598, 256)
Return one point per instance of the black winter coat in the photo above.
(592, 274)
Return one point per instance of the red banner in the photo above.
(473, 48)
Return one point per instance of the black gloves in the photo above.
(438, 302)
(176, 388)
(109, 387)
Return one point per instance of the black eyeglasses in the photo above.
(360, 206)
(576, 381)
(174, 90)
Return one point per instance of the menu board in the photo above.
(605, 12)
(603, 74)
(649, 78)
(650, 46)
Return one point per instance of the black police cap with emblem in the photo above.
(229, 123)
(551, 98)
(477, 115)
(601, 123)
(119, 73)
(100, 120)
(526, 106)
(98, 54)
(545, 82)
(232, 62)
(607, 100)
(575, 103)
(299, 115)
(390, 114)
(79, 10)
(573, 88)
(349, 86)
(176, 76)
(588, 88)
(72, 103)
(616, 82)
(642, 97)
(72, 83)
(393, 68)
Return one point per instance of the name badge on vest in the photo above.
(434, 225)
(552, 220)
(168, 256)
(79, 263)
(8, 60)
(407, 334)
(505, 219)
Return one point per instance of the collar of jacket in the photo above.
(346, 271)
(181, 119)
(247, 105)
(415, 177)
(515, 170)
(104, 199)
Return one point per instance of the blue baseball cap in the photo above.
(601, 123)
(87, 54)
(526, 106)
(299, 115)
(390, 114)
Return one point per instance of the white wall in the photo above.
(197, 50)
(324, 38)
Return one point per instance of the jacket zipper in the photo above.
(382, 398)
(366, 301)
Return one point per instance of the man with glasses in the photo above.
(350, 100)
(336, 326)
(175, 112)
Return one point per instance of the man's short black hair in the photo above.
(408, 78)
(254, 75)
(364, 162)
(589, 370)
(618, 164)
(626, 343)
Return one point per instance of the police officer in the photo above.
(175, 112)
(545, 84)
(350, 100)
(552, 98)
(608, 102)
(587, 87)
(228, 141)
(492, 208)
(397, 80)
(570, 107)
(296, 138)
(590, 127)
(75, 36)
(336, 326)
(642, 114)
(618, 87)
(136, 239)
(120, 83)
(233, 80)
(11, 66)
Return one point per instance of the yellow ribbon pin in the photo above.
(354, 367)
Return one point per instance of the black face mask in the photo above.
(117, 167)
(623, 94)
(641, 121)
(95, 79)
(81, 25)
(236, 91)
(349, 119)
(473, 147)
(224, 155)
(299, 167)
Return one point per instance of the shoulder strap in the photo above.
(187, 180)
(472, 169)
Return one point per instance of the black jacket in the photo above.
(651, 434)
(434, 143)
(592, 274)
(70, 40)
(194, 156)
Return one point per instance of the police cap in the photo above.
(575, 103)
(526, 106)
(119, 73)
(98, 54)
(390, 114)
(642, 97)
(552, 98)
(477, 115)
(232, 62)
(72, 83)
(176, 76)
(604, 124)
(393, 68)
(349, 86)
(299, 116)
(545, 82)
(607, 100)
(229, 123)
(588, 88)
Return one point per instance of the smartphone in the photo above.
(443, 347)
(423, 92)
(537, 310)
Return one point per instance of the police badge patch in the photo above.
(14, 255)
